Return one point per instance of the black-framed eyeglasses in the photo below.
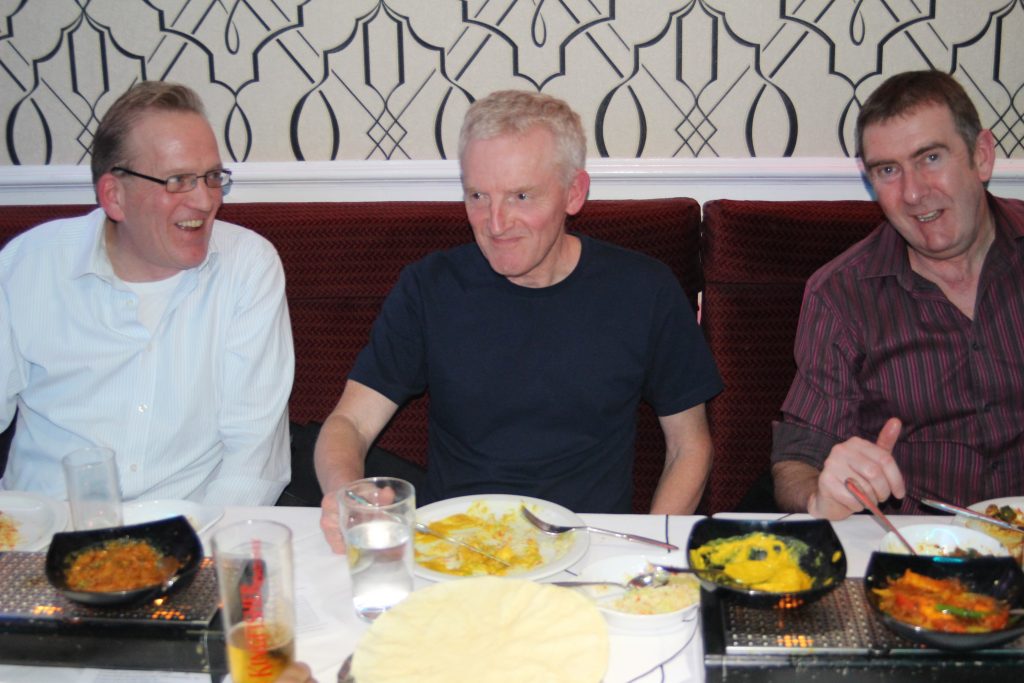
(185, 182)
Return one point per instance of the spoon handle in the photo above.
(673, 570)
(572, 584)
(633, 537)
(879, 515)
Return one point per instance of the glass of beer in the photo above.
(257, 590)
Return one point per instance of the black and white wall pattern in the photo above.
(316, 80)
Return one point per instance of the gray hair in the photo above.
(515, 112)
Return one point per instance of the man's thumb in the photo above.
(890, 434)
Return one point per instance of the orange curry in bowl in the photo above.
(941, 605)
(119, 565)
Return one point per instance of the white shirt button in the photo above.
(143, 407)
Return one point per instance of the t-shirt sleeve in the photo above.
(682, 372)
(393, 362)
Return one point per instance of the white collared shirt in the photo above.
(195, 409)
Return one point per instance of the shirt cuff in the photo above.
(792, 441)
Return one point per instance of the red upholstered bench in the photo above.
(757, 256)
(341, 259)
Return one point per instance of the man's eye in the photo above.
(884, 172)
(522, 196)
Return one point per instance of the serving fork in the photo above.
(556, 529)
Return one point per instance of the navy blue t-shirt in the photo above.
(534, 391)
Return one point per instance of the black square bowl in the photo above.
(173, 536)
(999, 577)
(824, 561)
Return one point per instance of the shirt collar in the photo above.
(891, 253)
(94, 260)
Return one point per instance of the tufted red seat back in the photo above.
(757, 256)
(341, 259)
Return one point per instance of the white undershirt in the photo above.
(153, 299)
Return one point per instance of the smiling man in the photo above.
(148, 326)
(910, 347)
(536, 344)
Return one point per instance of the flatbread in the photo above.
(486, 630)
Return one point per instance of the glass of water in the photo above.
(377, 517)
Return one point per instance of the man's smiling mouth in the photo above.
(190, 225)
(928, 217)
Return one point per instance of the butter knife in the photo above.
(423, 528)
(957, 510)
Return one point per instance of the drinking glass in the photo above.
(257, 589)
(94, 493)
(377, 517)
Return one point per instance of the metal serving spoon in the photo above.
(655, 579)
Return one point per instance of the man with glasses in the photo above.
(147, 326)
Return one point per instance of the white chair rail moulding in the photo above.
(777, 179)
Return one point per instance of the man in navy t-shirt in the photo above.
(536, 344)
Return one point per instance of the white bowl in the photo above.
(625, 567)
(942, 539)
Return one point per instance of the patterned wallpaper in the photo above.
(316, 80)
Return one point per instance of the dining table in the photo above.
(328, 630)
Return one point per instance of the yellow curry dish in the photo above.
(757, 561)
(506, 536)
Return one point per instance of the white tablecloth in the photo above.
(328, 629)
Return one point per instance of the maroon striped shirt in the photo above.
(877, 340)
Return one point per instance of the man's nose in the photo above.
(914, 186)
(499, 217)
(203, 197)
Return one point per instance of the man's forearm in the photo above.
(339, 454)
(682, 484)
(795, 481)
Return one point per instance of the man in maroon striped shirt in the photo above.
(910, 346)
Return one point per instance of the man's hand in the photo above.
(296, 672)
(330, 522)
(870, 465)
(330, 513)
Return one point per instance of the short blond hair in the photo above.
(515, 112)
(108, 145)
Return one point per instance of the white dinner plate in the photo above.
(36, 518)
(1012, 501)
(1011, 539)
(500, 503)
(201, 517)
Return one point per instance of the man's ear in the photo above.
(985, 154)
(110, 195)
(578, 190)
